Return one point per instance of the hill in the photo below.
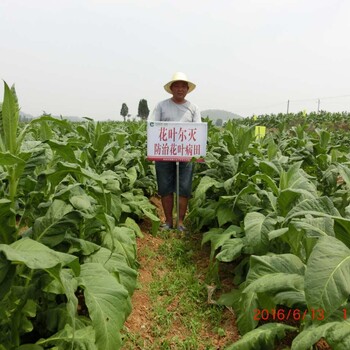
(215, 114)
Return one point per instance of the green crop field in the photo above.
(276, 207)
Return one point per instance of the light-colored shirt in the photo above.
(169, 111)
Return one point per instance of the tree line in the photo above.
(143, 110)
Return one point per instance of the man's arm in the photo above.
(155, 116)
(197, 118)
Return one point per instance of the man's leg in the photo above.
(168, 204)
(186, 174)
(183, 209)
(165, 179)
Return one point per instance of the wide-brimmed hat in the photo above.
(179, 76)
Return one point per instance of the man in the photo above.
(175, 109)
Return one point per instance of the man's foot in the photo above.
(182, 228)
(166, 227)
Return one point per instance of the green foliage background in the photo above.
(278, 208)
(72, 194)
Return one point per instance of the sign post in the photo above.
(177, 194)
(176, 142)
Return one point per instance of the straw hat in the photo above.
(178, 76)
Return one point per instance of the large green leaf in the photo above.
(131, 223)
(262, 338)
(7, 228)
(231, 249)
(206, 183)
(271, 168)
(104, 153)
(294, 186)
(272, 200)
(64, 124)
(276, 276)
(108, 304)
(224, 212)
(112, 182)
(277, 233)
(122, 240)
(37, 256)
(68, 338)
(337, 335)
(59, 220)
(260, 266)
(230, 164)
(9, 122)
(7, 273)
(344, 172)
(295, 179)
(323, 207)
(323, 226)
(132, 175)
(81, 202)
(9, 159)
(288, 198)
(276, 282)
(115, 262)
(5, 207)
(61, 169)
(246, 190)
(218, 236)
(327, 276)
(268, 180)
(290, 298)
(63, 149)
(154, 220)
(82, 246)
(257, 227)
(342, 229)
(245, 307)
(64, 283)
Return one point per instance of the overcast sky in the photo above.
(87, 57)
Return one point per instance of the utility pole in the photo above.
(287, 106)
(318, 105)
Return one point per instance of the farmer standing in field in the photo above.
(175, 109)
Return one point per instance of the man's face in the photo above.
(179, 90)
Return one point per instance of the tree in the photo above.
(143, 110)
(124, 111)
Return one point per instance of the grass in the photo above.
(182, 318)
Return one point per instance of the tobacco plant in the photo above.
(67, 233)
(279, 208)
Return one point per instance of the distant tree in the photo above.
(143, 110)
(124, 111)
(219, 122)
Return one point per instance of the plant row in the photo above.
(71, 195)
(278, 208)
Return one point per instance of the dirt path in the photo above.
(142, 327)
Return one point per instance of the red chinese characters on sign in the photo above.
(172, 134)
(178, 138)
(175, 141)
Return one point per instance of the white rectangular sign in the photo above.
(176, 141)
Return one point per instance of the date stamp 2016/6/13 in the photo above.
(290, 314)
